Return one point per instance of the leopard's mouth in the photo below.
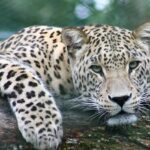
(122, 118)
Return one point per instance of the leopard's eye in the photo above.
(133, 65)
(97, 69)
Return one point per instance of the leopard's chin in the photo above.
(122, 119)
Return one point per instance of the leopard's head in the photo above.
(110, 70)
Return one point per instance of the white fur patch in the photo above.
(122, 119)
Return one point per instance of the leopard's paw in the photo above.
(43, 133)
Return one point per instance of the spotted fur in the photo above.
(108, 67)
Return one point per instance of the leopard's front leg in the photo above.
(38, 117)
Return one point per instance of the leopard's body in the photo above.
(108, 67)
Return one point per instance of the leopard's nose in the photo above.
(120, 100)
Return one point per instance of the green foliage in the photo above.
(15, 14)
(126, 13)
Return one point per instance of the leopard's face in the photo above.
(110, 70)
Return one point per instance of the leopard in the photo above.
(106, 67)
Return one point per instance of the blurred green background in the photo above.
(16, 14)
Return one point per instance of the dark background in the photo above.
(16, 14)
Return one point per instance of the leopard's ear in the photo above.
(142, 34)
(74, 39)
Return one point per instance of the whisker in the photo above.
(98, 115)
(142, 112)
(143, 108)
(93, 116)
(86, 103)
(102, 115)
